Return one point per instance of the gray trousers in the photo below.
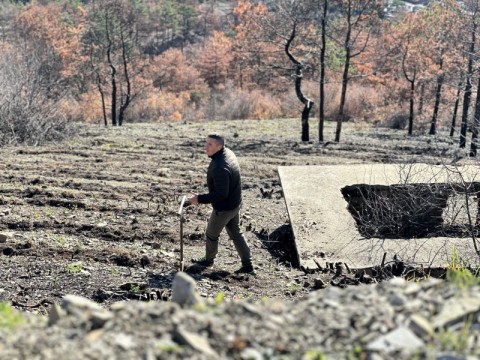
(230, 220)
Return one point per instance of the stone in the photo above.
(318, 283)
(397, 282)
(402, 338)
(124, 341)
(455, 310)
(195, 341)
(184, 290)
(251, 354)
(397, 300)
(100, 318)
(421, 326)
(55, 314)
(3, 238)
(73, 304)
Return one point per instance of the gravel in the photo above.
(396, 319)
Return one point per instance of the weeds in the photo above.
(114, 271)
(60, 239)
(135, 289)
(220, 297)
(75, 268)
(314, 355)
(458, 274)
(9, 317)
(453, 341)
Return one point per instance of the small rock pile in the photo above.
(397, 319)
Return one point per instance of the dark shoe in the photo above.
(246, 269)
(203, 261)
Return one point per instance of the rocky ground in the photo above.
(96, 216)
(432, 319)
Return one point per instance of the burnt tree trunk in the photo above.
(323, 46)
(113, 72)
(421, 98)
(455, 110)
(412, 103)
(102, 97)
(126, 97)
(468, 89)
(412, 80)
(438, 95)
(475, 125)
(346, 68)
(308, 103)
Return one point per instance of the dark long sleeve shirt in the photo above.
(223, 181)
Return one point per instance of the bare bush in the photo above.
(362, 99)
(28, 113)
(233, 103)
(396, 121)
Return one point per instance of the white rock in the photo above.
(184, 290)
(399, 339)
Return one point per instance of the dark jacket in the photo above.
(223, 180)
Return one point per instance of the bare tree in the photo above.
(323, 10)
(298, 86)
(284, 25)
(112, 42)
(356, 22)
(471, 26)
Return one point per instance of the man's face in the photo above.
(212, 146)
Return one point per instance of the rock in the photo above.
(455, 310)
(397, 300)
(55, 314)
(3, 238)
(84, 308)
(318, 283)
(184, 290)
(73, 304)
(399, 339)
(397, 282)
(251, 354)
(195, 341)
(100, 318)
(421, 326)
(124, 341)
(333, 322)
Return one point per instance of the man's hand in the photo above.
(193, 198)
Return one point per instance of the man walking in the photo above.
(225, 195)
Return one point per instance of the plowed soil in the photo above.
(97, 215)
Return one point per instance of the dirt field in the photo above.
(97, 215)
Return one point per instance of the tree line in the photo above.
(114, 61)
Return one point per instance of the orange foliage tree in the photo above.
(178, 85)
(404, 56)
(442, 37)
(214, 59)
(51, 33)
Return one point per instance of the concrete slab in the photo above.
(325, 231)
